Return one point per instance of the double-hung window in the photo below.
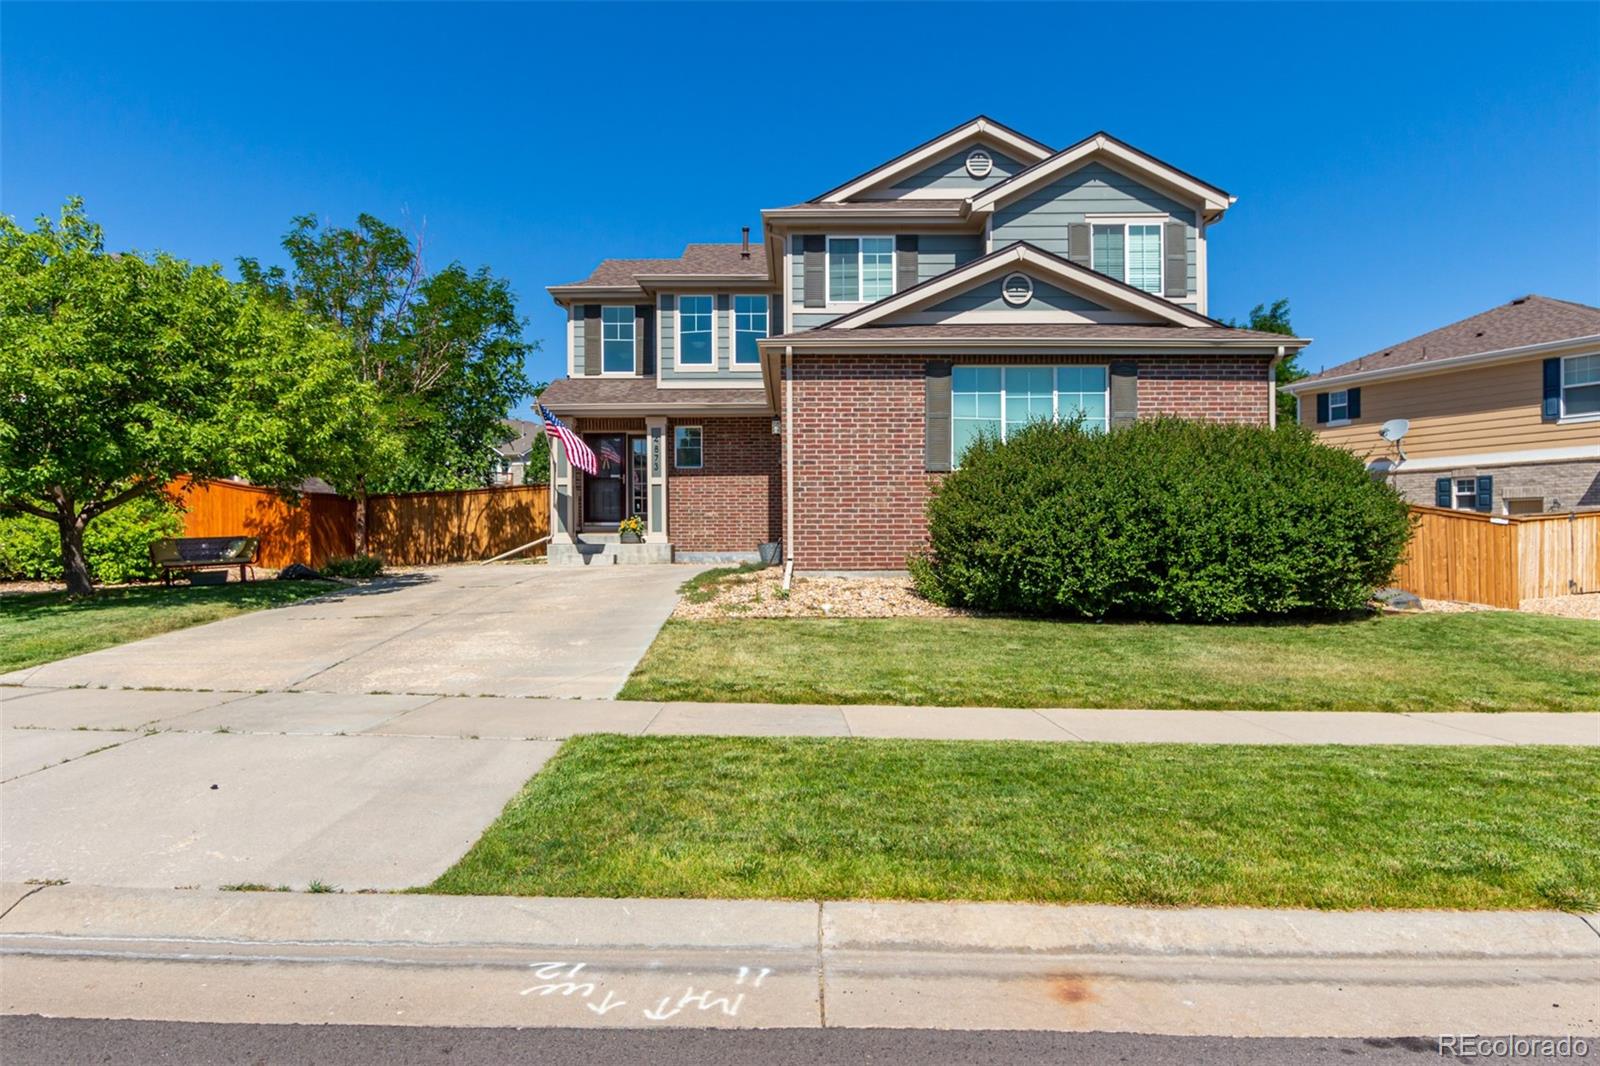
(617, 345)
(696, 345)
(749, 326)
(1129, 252)
(1464, 494)
(1339, 406)
(688, 447)
(860, 269)
(1580, 386)
(998, 401)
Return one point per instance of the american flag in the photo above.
(579, 454)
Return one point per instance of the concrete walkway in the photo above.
(504, 630)
(75, 951)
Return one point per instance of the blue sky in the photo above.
(1397, 167)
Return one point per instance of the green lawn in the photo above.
(42, 627)
(1189, 825)
(1492, 660)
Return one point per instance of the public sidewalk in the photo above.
(473, 961)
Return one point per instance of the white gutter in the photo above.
(788, 467)
(1272, 388)
(1428, 366)
(863, 342)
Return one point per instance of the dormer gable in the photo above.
(945, 165)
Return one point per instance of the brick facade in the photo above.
(860, 482)
(1561, 486)
(734, 502)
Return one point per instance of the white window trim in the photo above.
(1332, 421)
(1456, 495)
(633, 327)
(827, 269)
(677, 338)
(1055, 395)
(1160, 223)
(1565, 418)
(734, 362)
(680, 466)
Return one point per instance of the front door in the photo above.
(603, 492)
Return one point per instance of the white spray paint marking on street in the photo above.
(561, 979)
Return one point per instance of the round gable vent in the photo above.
(979, 163)
(1017, 289)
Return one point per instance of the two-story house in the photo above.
(1501, 411)
(811, 387)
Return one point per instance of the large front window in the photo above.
(860, 269)
(1129, 252)
(1580, 386)
(749, 326)
(999, 401)
(616, 324)
(695, 344)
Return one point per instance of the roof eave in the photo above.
(855, 339)
(560, 293)
(1430, 366)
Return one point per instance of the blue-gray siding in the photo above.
(987, 297)
(1041, 217)
(951, 172)
(722, 319)
(937, 253)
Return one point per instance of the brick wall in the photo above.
(860, 486)
(1560, 486)
(735, 501)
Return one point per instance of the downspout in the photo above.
(788, 466)
(1272, 387)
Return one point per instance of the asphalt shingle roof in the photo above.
(696, 259)
(642, 392)
(1037, 331)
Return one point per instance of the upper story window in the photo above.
(696, 338)
(1339, 406)
(1129, 252)
(617, 345)
(999, 401)
(1580, 386)
(749, 326)
(860, 269)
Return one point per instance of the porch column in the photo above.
(561, 515)
(656, 429)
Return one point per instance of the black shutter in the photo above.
(1124, 394)
(905, 262)
(1322, 408)
(592, 333)
(644, 332)
(1353, 400)
(1551, 409)
(813, 264)
(1441, 492)
(936, 420)
(1485, 494)
(1175, 281)
(1078, 243)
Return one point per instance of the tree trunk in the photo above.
(361, 515)
(74, 564)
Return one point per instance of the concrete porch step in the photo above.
(590, 550)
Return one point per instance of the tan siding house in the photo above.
(1503, 409)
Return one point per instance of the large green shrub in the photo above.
(117, 544)
(1165, 518)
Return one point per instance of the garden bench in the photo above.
(204, 553)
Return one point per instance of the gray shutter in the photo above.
(905, 262)
(936, 421)
(814, 264)
(1485, 493)
(1078, 243)
(592, 332)
(1441, 493)
(1550, 410)
(1124, 394)
(1175, 271)
(643, 340)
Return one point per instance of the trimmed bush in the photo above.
(1165, 519)
(117, 544)
(354, 566)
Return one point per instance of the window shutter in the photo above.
(1322, 408)
(1441, 492)
(905, 262)
(1353, 402)
(1551, 410)
(644, 341)
(1078, 243)
(1486, 493)
(592, 332)
(936, 420)
(1124, 394)
(813, 265)
(1175, 272)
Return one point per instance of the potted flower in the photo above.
(632, 530)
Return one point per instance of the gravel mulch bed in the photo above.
(1583, 605)
(759, 595)
(1454, 606)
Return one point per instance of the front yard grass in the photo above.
(42, 627)
(1170, 825)
(1478, 661)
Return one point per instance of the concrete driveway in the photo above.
(508, 630)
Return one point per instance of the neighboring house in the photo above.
(510, 463)
(975, 282)
(1504, 409)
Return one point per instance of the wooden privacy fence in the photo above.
(406, 529)
(1500, 560)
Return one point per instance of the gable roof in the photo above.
(1066, 274)
(697, 260)
(1102, 145)
(1526, 322)
(1026, 148)
(520, 435)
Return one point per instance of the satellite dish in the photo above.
(1395, 429)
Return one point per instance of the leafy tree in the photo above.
(1275, 319)
(443, 350)
(118, 373)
